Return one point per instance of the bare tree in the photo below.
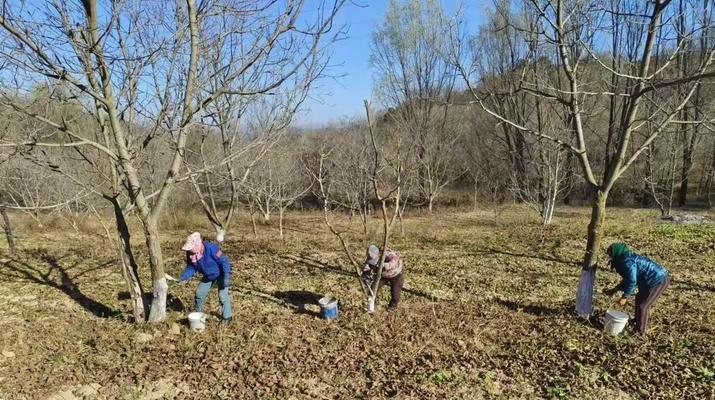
(385, 175)
(569, 30)
(291, 181)
(415, 82)
(104, 58)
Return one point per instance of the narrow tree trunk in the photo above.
(475, 195)
(584, 296)
(711, 178)
(220, 233)
(8, 232)
(253, 224)
(687, 166)
(129, 265)
(281, 211)
(371, 301)
(160, 288)
(549, 206)
(671, 183)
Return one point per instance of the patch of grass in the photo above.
(442, 376)
(558, 392)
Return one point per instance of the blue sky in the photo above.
(342, 97)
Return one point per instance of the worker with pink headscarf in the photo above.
(208, 259)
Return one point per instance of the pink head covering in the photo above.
(195, 246)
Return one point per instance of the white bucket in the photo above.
(197, 321)
(615, 322)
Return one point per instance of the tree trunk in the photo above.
(8, 232)
(430, 203)
(688, 148)
(129, 265)
(371, 301)
(220, 233)
(159, 286)
(711, 178)
(549, 206)
(253, 225)
(280, 222)
(584, 297)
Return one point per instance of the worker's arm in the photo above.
(189, 271)
(391, 260)
(628, 284)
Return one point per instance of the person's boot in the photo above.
(226, 321)
(392, 306)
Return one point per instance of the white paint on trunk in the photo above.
(158, 303)
(584, 293)
(371, 300)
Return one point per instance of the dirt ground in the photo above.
(487, 313)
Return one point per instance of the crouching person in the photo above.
(208, 259)
(391, 273)
(637, 271)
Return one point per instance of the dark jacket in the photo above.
(637, 270)
(213, 265)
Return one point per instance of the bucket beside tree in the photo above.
(328, 307)
(197, 321)
(615, 322)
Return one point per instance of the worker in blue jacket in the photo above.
(208, 259)
(637, 271)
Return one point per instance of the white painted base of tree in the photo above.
(371, 304)
(220, 235)
(584, 294)
(158, 303)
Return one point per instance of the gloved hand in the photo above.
(227, 281)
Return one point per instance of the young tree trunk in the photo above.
(281, 211)
(711, 178)
(548, 208)
(475, 195)
(8, 232)
(371, 301)
(160, 288)
(220, 233)
(129, 265)
(688, 148)
(253, 222)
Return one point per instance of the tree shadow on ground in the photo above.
(173, 303)
(317, 264)
(67, 284)
(564, 309)
(686, 285)
(491, 251)
(294, 300)
(536, 309)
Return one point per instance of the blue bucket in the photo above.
(328, 307)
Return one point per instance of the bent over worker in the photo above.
(208, 259)
(637, 271)
(391, 273)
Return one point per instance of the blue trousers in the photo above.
(224, 298)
